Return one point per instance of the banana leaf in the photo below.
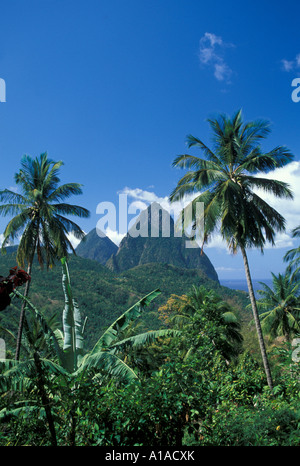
(108, 363)
(72, 324)
(123, 321)
(103, 356)
(51, 336)
(24, 406)
(143, 339)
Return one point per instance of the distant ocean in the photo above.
(241, 284)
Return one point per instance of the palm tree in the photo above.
(225, 180)
(281, 304)
(293, 256)
(39, 216)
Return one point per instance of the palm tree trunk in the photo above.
(44, 397)
(257, 321)
(22, 314)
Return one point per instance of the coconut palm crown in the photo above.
(293, 256)
(39, 212)
(227, 182)
(280, 305)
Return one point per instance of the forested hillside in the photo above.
(102, 295)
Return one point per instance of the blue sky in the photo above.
(113, 88)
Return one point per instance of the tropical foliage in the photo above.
(156, 355)
(39, 212)
(70, 363)
(61, 394)
(280, 306)
(293, 256)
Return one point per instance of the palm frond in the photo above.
(72, 323)
(265, 162)
(65, 191)
(277, 188)
(11, 197)
(69, 209)
(6, 414)
(50, 335)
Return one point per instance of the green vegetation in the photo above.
(152, 352)
(68, 359)
(293, 256)
(103, 294)
(191, 384)
(281, 305)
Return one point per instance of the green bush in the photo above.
(233, 425)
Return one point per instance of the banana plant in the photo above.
(71, 364)
(106, 355)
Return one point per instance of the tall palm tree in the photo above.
(39, 215)
(281, 305)
(293, 256)
(226, 180)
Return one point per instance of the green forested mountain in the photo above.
(103, 294)
(154, 238)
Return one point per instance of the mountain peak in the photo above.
(152, 222)
(96, 246)
(152, 239)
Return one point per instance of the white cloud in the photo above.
(289, 209)
(211, 50)
(73, 240)
(287, 65)
(115, 236)
(291, 65)
(222, 71)
(148, 197)
(216, 242)
(1, 239)
(142, 195)
(228, 269)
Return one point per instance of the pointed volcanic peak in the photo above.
(96, 246)
(153, 238)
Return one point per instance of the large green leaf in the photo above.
(123, 321)
(50, 335)
(142, 339)
(107, 362)
(72, 324)
(29, 407)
